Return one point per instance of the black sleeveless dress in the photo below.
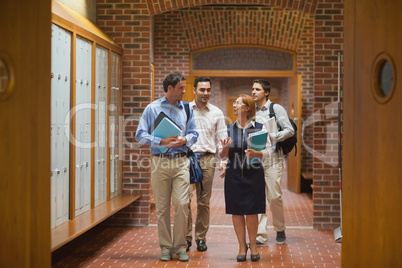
(244, 183)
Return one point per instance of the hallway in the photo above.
(138, 246)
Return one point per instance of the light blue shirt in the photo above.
(175, 112)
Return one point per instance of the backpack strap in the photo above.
(272, 114)
(187, 108)
(271, 110)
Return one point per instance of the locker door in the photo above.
(100, 119)
(87, 149)
(78, 127)
(53, 126)
(83, 126)
(97, 97)
(60, 102)
(65, 124)
(114, 127)
(57, 113)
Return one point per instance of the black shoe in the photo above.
(280, 237)
(188, 242)
(241, 258)
(255, 257)
(201, 246)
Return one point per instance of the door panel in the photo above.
(25, 47)
(189, 95)
(229, 110)
(372, 137)
(294, 112)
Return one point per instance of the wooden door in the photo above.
(372, 175)
(294, 112)
(231, 118)
(25, 47)
(189, 95)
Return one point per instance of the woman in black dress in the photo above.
(244, 183)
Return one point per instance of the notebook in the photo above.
(257, 141)
(164, 127)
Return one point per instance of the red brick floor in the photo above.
(138, 246)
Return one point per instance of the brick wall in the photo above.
(315, 33)
(128, 23)
(328, 41)
(195, 29)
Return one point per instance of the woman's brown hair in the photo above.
(249, 101)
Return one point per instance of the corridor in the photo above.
(138, 246)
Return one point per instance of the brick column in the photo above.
(129, 24)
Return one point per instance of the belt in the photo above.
(171, 156)
(204, 153)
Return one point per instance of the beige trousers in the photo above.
(170, 181)
(273, 179)
(207, 164)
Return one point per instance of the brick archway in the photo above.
(130, 24)
(157, 7)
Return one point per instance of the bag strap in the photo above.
(272, 114)
(187, 108)
(271, 110)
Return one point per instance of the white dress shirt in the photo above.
(210, 124)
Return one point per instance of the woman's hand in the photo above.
(225, 147)
(250, 153)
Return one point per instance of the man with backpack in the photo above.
(170, 168)
(273, 165)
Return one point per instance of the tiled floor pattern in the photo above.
(138, 246)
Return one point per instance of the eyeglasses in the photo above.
(238, 104)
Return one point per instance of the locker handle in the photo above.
(86, 164)
(116, 156)
(59, 76)
(51, 173)
(57, 171)
(65, 169)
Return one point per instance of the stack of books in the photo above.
(164, 127)
(257, 141)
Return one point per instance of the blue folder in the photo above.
(258, 142)
(164, 127)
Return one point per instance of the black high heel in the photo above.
(255, 257)
(241, 258)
